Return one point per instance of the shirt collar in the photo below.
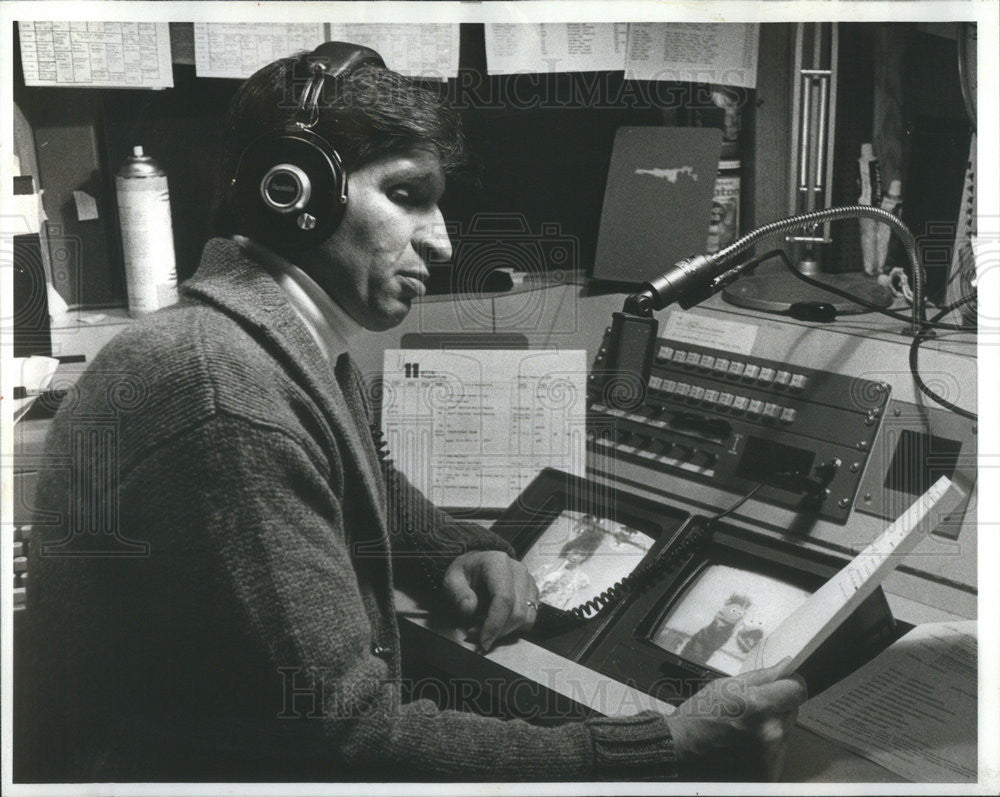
(329, 324)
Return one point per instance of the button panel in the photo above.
(718, 414)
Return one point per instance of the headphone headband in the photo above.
(334, 61)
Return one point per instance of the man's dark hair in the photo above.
(371, 113)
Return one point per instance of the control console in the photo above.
(734, 421)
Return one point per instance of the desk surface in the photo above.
(810, 758)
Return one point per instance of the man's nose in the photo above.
(432, 241)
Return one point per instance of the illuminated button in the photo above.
(711, 396)
(680, 357)
(693, 359)
(721, 365)
(755, 407)
(20, 564)
(740, 403)
(664, 354)
(736, 368)
(669, 385)
(798, 382)
(726, 400)
(751, 371)
(682, 390)
(787, 415)
(656, 383)
(766, 375)
(697, 393)
(771, 411)
(782, 378)
(707, 362)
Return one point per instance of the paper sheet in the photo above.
(108, 54)
(427, 51)
(34, 374)
(722, 53)
(238, 49)
(912, 709)
(555, 47)
(471, 428)
(811, 624)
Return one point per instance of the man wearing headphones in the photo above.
(213, 598)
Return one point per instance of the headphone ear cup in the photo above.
(290, 191)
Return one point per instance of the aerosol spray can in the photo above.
(147, 234)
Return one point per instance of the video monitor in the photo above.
(723, 614)
(579, 556)
(720, 590)
(580, 541)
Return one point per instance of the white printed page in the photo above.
(812, 623)
(912, 709)
(719, 53)
(421, 50)
(472, 428)
(104, 54)
(238, 49)
(555, 47)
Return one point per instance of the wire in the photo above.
(780, 253)
(914, 365)
(735, 506)
(918, 339)
(817, 217)
(638, 578)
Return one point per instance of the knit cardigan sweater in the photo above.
(211, 592)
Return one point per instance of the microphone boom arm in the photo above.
(694, 279)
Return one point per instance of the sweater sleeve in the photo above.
(269, 539)
(426, 540)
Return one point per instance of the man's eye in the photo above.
(403, 195)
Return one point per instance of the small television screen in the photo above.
(579, 556)
(723, 613)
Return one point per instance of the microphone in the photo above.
(687, 282)
(634, 330)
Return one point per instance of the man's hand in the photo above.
(496, 586)
(735, 728)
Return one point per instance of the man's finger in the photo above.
(765, 675)
(500, 587)
(456, 584)
(781, 696)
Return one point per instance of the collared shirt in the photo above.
(331, 327)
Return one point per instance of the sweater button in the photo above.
(381, 652)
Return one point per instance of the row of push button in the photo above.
(733, 369)
(723, 400)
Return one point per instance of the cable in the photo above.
(817, 217)
(918, 339)
(914, 366)
(780, 253)
(556, 619)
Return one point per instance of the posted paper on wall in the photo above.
(427, 51)
(720, 53)
(912, 709)
(238, 49)
(555, 47)
(471, 428)
(105, 54)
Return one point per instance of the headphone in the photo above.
(290, 189)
